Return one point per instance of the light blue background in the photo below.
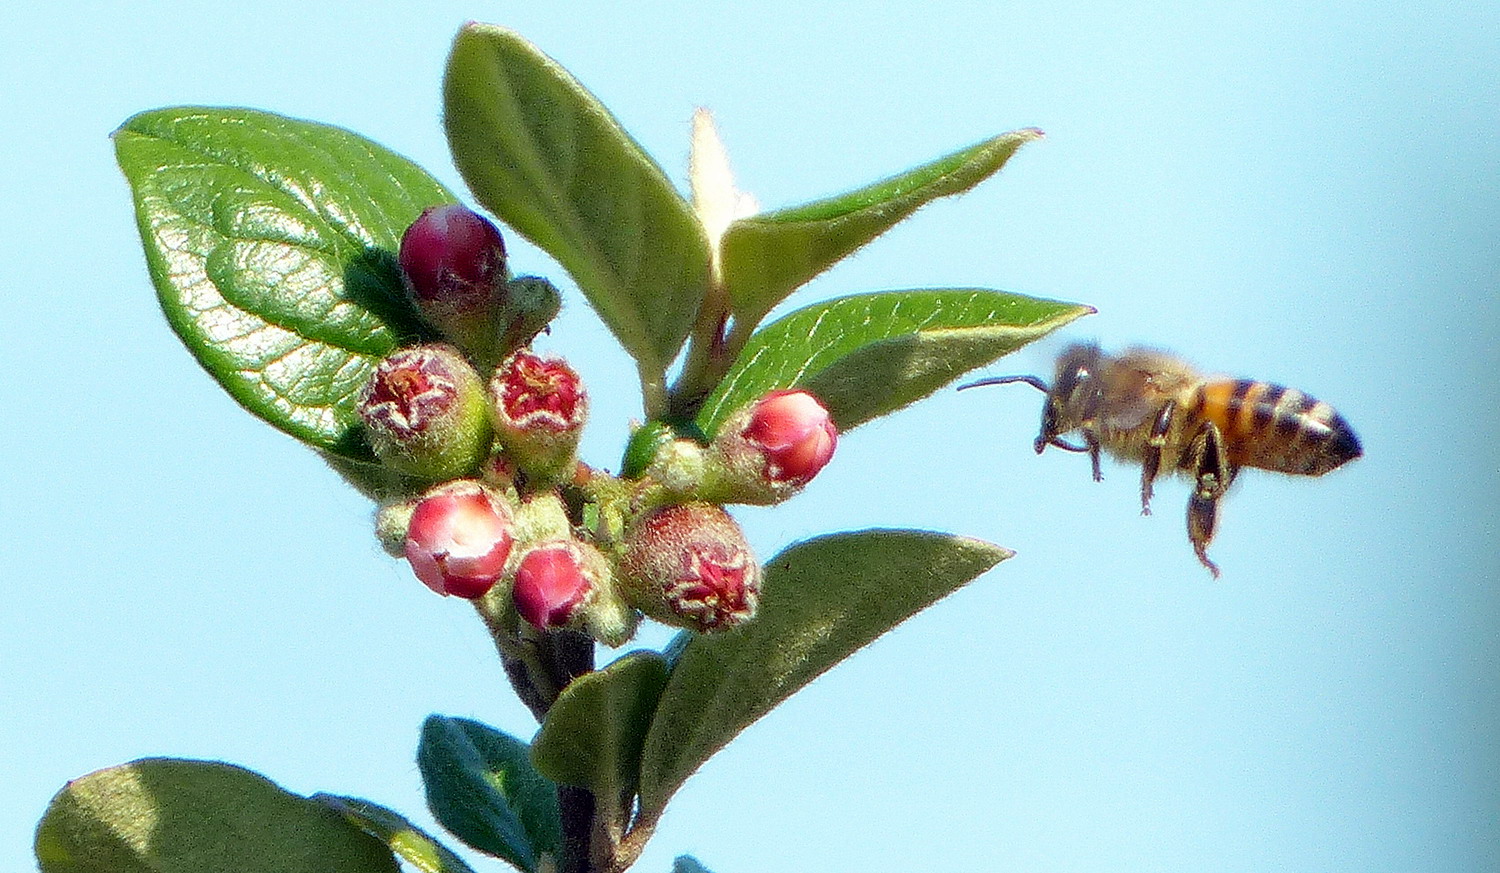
(1301, 192)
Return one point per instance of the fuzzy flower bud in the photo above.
(459, 539)
(392, 521)
(567, 583)
(689, 565)
(425, 413)
(767, 451)
(538, 408)
(453, 266)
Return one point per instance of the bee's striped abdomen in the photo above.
(1275, 428)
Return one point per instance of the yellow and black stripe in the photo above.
(1272, 427)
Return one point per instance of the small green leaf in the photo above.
(823, 600)
(766, 257)
(593, 734)
(271, 242)
(407, 840)
(871, 354)
(481, 786)
(542, 153)
(688, 864)
(161, 815)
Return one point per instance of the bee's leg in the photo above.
(1212, 475)
(1067, 446)
(1151, 463)
(1091, 440)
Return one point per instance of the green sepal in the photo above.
(272, 245)
(165, 815)
(766, 257)
(821, 600)
(482, 787)
(409, 842)
(867, 355)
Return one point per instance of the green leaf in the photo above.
(593, 734)
(870, 354)
(407, 840)
(688, 864)
(161, 815)
(542, 153)
(271, 242)
(481, 786)
(823, 600)
(768, 256)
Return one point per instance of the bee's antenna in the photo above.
(1033, 381)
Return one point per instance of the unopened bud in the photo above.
(538, 408)
(425, 413)
(568, 583)
(453, 266)
(645, 443)
(689, 565)
(392, 521)
(459, 539)
(767, 451)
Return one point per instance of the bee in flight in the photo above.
(1149, 407)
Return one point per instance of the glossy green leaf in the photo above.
(161, 815)
(542, 153)
(766, 257)
(822, 600)
(593, 734)
(481, 786)
(408, 841)
(871, 354)
(271, 242)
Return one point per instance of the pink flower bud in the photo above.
(767, 451)
(689, 565)
(453, 256)
(459, 539)
(795, 433)
(425, 414)
(538, 408)
(551, 584)
(569, 583)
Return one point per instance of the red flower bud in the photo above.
(568, 583)
(795, 432)
(453, 266)
(538, 408)
(459, 539)
(551, 584)
(769, 450)
(689, 565)
(453, 256)
(425, 414)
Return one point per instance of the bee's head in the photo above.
(1073, 398)
(1075, 393)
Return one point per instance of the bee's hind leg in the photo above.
(1211, 478)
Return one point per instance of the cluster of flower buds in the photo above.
(490, 460)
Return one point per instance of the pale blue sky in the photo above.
(1299, 192)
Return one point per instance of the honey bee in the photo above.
(1150, 407)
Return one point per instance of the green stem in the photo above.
(653, 390)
